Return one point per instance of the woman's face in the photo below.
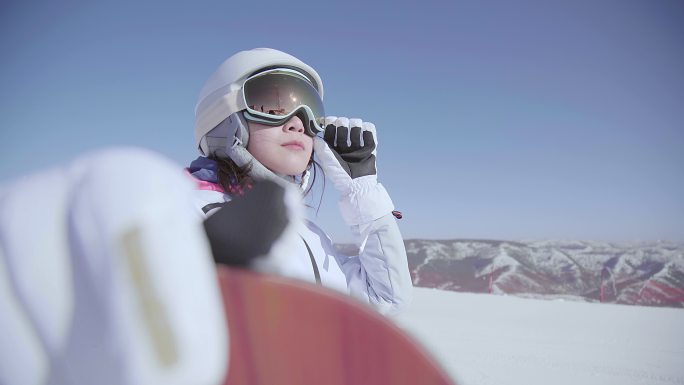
(282, 149)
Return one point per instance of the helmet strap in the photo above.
(229, 140)
(239, 154)
(257, 171)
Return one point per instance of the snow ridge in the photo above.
(646, 273)
(649, 274)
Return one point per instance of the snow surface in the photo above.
(483, 339)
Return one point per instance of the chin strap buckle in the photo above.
(236, 142)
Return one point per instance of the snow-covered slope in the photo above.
(504, 340)
(640, 274)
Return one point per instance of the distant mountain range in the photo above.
(649, 274)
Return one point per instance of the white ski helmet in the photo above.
(221, 95)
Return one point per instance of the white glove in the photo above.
(347, 154)
(108, 278)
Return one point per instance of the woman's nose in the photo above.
(294, 125)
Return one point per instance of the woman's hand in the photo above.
(347, 150)
(258, 229)
(347, 153)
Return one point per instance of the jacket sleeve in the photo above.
(379, 275)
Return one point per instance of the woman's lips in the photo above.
(294, 145)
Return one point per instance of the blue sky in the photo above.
(498, 119)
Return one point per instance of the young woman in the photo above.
(257, 120)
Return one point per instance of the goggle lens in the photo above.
(277, 94)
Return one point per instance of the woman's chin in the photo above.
(294, 170)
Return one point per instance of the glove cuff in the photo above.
(367, 201)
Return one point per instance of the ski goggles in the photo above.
(272, 97)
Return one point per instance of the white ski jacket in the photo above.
(378, 276)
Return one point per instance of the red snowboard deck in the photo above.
(285, 332)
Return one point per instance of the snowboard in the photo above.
(284, 331)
